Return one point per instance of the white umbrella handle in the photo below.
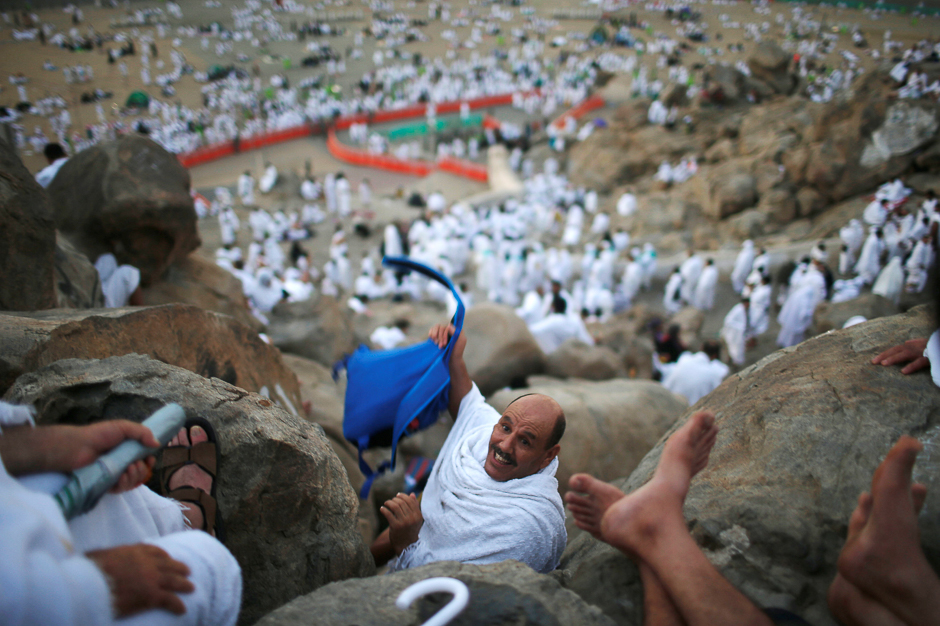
(435, 585)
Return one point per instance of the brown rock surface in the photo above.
(209, 344)
(27, 239)
(77, 283)
(289, 512)
(500, 351)
(129, 197)
(194, 280)
(318, 329)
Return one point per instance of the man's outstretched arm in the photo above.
(460, 382)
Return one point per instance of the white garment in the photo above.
(671, 299)
(704, 297)
(797, 312)
(695, 376)
(343, 196)
(47, 580)
(118, 282)
(626, 204)
(890, 282)
(690, 270)
(556, 328)
(387, 337)
(46, 174)
(734, 331)
(742, 266)
(759, 309)
(471, 518)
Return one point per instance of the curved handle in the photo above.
(435, 585)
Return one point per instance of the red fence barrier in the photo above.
(213, 152)
(378, 161)
(467, 169)
(586, 106)
(362, 158)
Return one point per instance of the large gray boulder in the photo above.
(195, 280)
(769, 63)
(574, 359)
(27, 238)
(611, 424)
(209, 344)
(129, 197)
(500, 594)
(318, 329)
(501, 352)
(801, 433)
(289, 511)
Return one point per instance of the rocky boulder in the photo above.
(27, 239)
(801, 433)
(726, 189)
(194, 280)
(833, 316)
(77, 283)
(318, 329)
(690, 321)
(769, 63)
(129, 197)
(209, 344)
(501, 352)
(611, 424)
(323, 404)
(289, 512)
(502, 593)
(574, 359)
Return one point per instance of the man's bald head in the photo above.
(546, 405)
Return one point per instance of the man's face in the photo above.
(517, 446)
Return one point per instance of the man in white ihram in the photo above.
(492, 494)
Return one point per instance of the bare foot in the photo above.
(191, 475)
(882, 556)
(588, 500)
(631, 523)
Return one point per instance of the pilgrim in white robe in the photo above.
(555, 329)
(797, 312)
(690, 269)
(734, 332)
(742, 266)
(672, 300)
(704, 297)
(471, 518)
(694, 376)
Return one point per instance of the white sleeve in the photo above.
(42, 579)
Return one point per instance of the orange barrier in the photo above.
(467, 169)
(213, 152)
(378, 161)
(586, 106)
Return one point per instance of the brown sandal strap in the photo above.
(198, 497)
(202, 454)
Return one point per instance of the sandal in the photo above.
(206, 455)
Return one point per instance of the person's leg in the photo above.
(588, 501)
(649, 525)
(882, 557)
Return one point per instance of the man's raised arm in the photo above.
(460, 382)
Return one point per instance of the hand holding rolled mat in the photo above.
(89, 483)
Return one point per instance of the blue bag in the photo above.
(393, 393)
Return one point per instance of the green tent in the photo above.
(138, 99)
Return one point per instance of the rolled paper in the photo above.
(87, 484)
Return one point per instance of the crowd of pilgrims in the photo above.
(552, 256)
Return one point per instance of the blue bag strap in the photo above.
(406, 264)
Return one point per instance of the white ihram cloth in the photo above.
(695, 376)
(118, 282)
(471, 518)
(46, 578)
